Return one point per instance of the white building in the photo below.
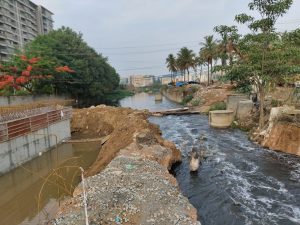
(141, 80)
(21, 21)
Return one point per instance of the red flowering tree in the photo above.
(23, 72)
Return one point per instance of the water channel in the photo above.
(239, 182)
(26, 188)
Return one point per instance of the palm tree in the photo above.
(171, 64)
(186, 60)
(200, 63)
(227, 44)
(208, 52)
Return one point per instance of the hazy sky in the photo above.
(138, 35)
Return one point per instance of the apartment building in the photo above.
(141, 80)
(20, 22)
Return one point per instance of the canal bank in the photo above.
(129, 182)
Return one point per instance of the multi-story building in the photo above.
(20, 22)
(124, 81)
(141, 80)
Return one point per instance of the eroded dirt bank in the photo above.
(284, 137)
(129, 183)
(124, 126)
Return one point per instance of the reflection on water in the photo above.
(21, 187)
(147, 101)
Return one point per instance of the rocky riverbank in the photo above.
(129, 183)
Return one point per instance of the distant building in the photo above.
(141, 80)
(124, 81)
(166, 79)
(20, 22)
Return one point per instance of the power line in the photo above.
(140, 68)
(113, 54)
(154, 45)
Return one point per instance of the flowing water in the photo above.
(239, 182)
(34, 184)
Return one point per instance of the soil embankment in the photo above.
(129, 182)
(284, 137)
(124, 126)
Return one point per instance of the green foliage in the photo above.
(218, 106)
(276, 103)
(269, 10)
(185, 60)
(208, 53)
(93, 77)
(196, 102)
(118, 94)
(264, 57)
(187, 99)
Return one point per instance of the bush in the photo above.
(196, 102)
(187, 99)
(276, 103)
(218, 106)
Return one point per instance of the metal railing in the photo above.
(16, 128)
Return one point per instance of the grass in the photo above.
(186, 99)
(218, 106)
(196, 102)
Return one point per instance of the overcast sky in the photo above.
(138, 35)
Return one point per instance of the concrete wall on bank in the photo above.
(233, 100)
(19, 150)
(15, 100)
(173, 94)
(244, 109)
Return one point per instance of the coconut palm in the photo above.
(227, 44)
(185, 59)
(171, 64)
(208, 52)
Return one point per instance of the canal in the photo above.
(239, 182)
(36, 183)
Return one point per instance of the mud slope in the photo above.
(125, 126)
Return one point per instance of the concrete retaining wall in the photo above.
(233, 100)
(244, 109)
(15, 100)
(19, 150)
(220, 118)
(173, 94)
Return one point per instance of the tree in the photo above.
(94, 77)
(171, 64)
(185, 59)
(24, 73)
(264, 57)
(208, 53)
(227, 44)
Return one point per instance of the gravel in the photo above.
(131, 190)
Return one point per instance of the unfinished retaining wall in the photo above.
(174, 94)
(25, 138)
(233, 101)
(15, 100)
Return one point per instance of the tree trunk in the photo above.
(188, 75)
(261, 107)
(200, 74)
(207, 74)
(211, 72)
